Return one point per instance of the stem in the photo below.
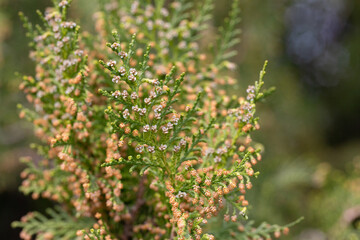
(172, 234)
(140, 201)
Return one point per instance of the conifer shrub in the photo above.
(138, 136)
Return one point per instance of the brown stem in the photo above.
(140, 201)
(172, 234)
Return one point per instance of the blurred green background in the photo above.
(310, 126)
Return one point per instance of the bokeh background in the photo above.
(310, 125)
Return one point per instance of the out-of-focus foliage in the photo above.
(337, 205)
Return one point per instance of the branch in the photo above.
(140, 201)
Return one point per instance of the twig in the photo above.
(140, 201)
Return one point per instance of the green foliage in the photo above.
(56, 224)
(229, 35)
(234, 231)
